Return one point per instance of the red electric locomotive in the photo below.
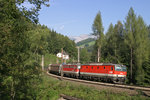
(71, 70)
(104, 71)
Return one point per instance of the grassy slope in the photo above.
(88, 41)
(50, 89)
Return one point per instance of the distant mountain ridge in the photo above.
(81, 37)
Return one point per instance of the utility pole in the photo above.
(78, 54)
(65, 59)
(57, 61)
(42, 64)
(62, 63)
(62, 55)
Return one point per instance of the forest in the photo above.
(23, 41)
(127, 43)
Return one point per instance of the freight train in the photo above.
(94, 71)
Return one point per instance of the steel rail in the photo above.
(104, 84)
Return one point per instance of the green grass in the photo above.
(50, 89)
(85, 42)
(89, 44)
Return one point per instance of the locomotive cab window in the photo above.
(120, 68)
(124, 68)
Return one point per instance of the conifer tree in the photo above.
(137, 41)
(98, 29)
(108, 47)
(141, 49)
(114, 42)
(130, 33)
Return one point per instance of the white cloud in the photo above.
(61, 27)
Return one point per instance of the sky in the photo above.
(75, 17)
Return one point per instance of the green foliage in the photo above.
(127, 44)
(32, 12)
(97, 26)
(149, 31)
(113, 50)
(84, 56)
(38, 36)
(44, 41)
(19, 75)
(51, 88)
(137, 41)
(22, 43)
(146, 66)
(50, 59)
(98, 29)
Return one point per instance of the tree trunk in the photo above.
(131, 64)
(12, 91)
(98, 54)
(115, 54)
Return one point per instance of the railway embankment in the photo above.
(54, 87)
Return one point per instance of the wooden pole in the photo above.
(65, 60)
(78, 54)
(42, 64)
(62, 63)
(57, 61)
(62, 55)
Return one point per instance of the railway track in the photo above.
(144, 90)
(104, 84)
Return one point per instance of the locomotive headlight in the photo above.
(79, 66)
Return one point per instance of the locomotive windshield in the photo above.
(120, 68)
(124, 68)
